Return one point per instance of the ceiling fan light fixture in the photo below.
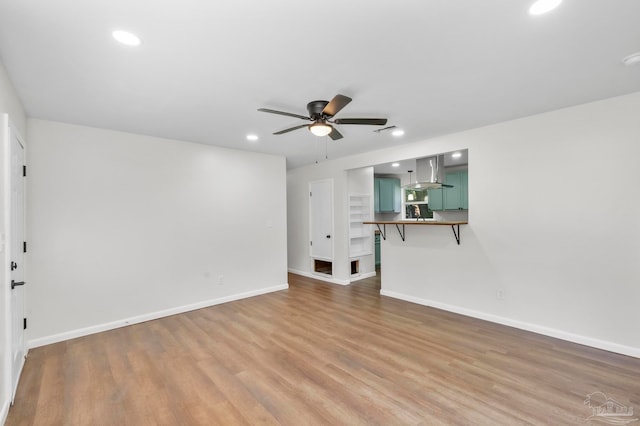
(320, 129)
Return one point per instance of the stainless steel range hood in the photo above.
(429, 174)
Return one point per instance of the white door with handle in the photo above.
(321, 219)
(15, 255)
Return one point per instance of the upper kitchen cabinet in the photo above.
(436, 200)
(456, 198)
(387, 195)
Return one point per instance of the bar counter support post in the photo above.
(457, 235)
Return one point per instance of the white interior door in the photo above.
(321, 219)
(16, 247)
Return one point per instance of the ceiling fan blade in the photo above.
(290, 129)
(335, 134)
(337, 103)
(369, 121)
(288, 114)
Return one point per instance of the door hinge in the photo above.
(310, 243)
(24, 323)
(24, 171)
(24, 246)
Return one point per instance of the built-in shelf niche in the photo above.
(360, 234)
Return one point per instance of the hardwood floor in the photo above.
(318, 354)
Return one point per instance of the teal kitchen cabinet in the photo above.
(376, 196)
(436, 202)
(452, 197)
(387, 195)
(456, 198)
(465, 189)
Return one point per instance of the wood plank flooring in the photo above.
(318, 354)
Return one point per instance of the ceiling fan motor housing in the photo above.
(315, 108)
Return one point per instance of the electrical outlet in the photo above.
(220, 279)
(500, 294)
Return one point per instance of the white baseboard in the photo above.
(34, 343)
(546, 331)
(320, 277)
(4, 412)
(362, 276)
(332, 280)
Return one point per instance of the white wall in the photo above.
(125, 228)
(9, 104)
(554, 223)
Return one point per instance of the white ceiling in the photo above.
(204, 68)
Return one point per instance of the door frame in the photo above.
(8, 129)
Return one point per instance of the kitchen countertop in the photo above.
(384, 223)
(416, 222)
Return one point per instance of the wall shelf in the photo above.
(383, 230)
(360, 233)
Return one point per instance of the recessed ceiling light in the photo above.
(397, 132)
(125, 37)
(395, 165)
(632, 59)
(252, 137)
(543, 6)
(456, 155)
